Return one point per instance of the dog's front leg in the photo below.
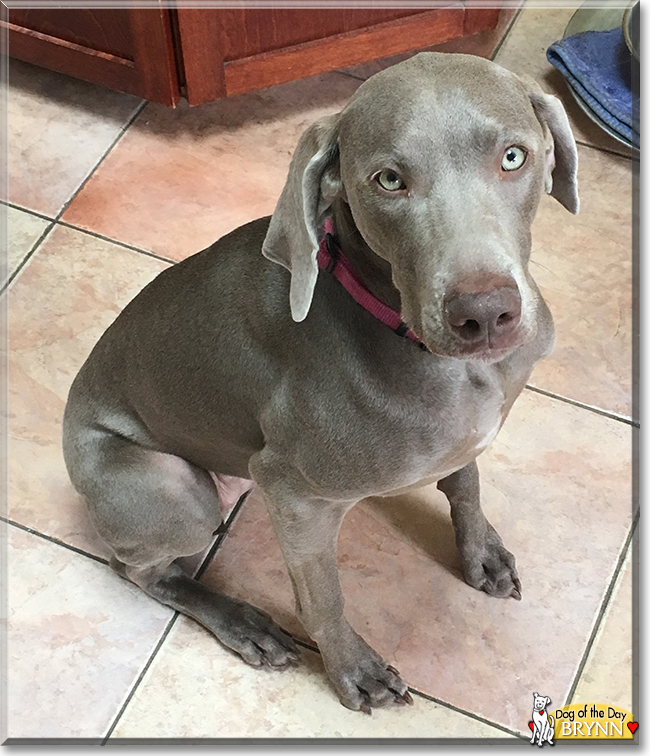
(308, 533)
(487, 564)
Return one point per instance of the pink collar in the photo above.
(332, 260)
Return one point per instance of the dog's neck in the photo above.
(373, 271)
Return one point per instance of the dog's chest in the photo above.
(379, 442)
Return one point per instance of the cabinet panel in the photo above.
(249, 32)
(128, 50)
(342, 50)
(227, 52)
(107, 31)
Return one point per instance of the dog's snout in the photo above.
(487, 318)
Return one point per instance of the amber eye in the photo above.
(513, 158)
(390, 181)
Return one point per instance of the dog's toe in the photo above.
(257, 638)
(364, 691)
(491, 569)
(364, 681)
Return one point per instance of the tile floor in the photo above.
(105, 191)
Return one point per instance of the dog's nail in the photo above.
(406, 696)
(393, 670)
(517, 584)
(515, 594)
(399, 700)
(365, 709)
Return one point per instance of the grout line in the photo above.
(603, 607)
(108, 150)
(348, 74)
(304, 644)
(469, 714)
(144, 671)
(506, 33)
(94, 234)
(126, 245)
(27, 257)
(582, 405)
(14, 206)
(222, 533)
(52, 539)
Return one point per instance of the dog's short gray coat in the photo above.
(245, 361)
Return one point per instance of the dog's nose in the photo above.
(487, 316)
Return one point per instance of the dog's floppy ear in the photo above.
(561, 177)
(313, 182)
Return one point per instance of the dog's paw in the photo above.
(363, 679)
(490, 567)
(254, 635)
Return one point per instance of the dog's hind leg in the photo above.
(152, 508)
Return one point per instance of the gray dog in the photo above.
(281, 355)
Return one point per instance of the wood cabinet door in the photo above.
(126, 49)
(229, 51)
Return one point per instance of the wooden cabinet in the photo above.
(126, 49)
(162, 53)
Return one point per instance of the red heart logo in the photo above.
(632, 727)
(532, 726)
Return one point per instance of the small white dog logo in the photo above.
(542, 721)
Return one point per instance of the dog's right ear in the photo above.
(292, 237)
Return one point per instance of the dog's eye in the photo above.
(390, 181)
(513, 158)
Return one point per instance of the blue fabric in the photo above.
(598, 67)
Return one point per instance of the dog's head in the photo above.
(540, 702)
(442, 161)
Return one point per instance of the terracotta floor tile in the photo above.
(180, 179)
(58, 129)
(23, 231)
(71, 290)
(607, 676)
(78, 639)
(561, 501)
(524, 52)
(196, 689)
(583, 265)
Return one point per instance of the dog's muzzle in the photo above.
(485, 322)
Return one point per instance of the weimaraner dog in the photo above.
(369, 337)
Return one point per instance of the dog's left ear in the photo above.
(561, 176)
(292, 237)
